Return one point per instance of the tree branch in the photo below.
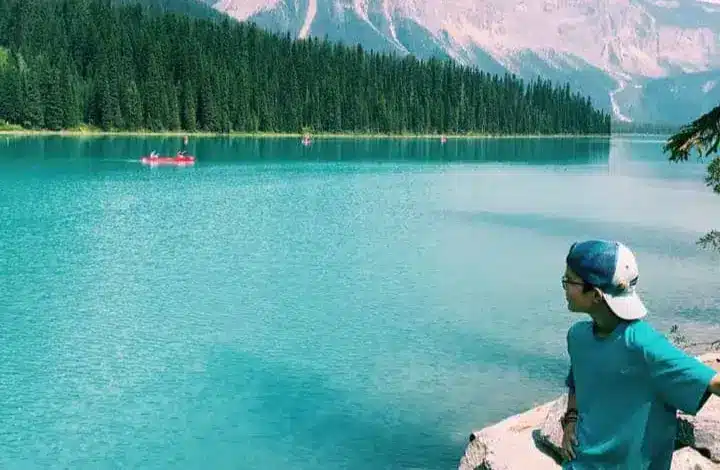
(703, 135)
(713, 177)
(710, 240)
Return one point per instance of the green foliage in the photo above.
(713, 177)
(120, 65)
(4, 58)
(702, 135)
(4, 126)
(620, 127)
(677, 338)
(680, 340)
(193, 8)
(710, 240)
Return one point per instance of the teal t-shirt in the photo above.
(629, 386)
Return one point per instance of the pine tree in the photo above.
(32, 112)
(71, 93)
(188, 114)
(173, 120)
(54, 105)
(132, 109)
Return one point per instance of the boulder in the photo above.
(690, 459)
(702, 431)
(509, 445)
(549, 436)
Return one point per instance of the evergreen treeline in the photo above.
(194, 8)
(621, 127)
(71, 62)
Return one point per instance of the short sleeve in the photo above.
(680, 379)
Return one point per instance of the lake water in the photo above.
(354, 304)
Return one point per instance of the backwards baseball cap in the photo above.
(611, 267)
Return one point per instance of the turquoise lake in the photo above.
(353, 304)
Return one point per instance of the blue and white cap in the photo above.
(611, 267)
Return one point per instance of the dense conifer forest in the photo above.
(621, 127)
(119, 65)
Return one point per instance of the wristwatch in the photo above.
(570, 416)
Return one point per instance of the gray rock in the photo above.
(690, 459)
(702, 431)
(549, 436)
(509, 445)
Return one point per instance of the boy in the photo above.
(626, 380)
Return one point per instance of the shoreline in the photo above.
(283, 135)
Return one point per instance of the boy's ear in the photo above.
(597, 295)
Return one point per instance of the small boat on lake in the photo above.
(179, 159)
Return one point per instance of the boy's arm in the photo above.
(714, 386)
(570, 382)
(572, 403)
(571, 411)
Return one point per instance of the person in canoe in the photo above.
(183, 151)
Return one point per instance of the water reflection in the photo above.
(243, 149)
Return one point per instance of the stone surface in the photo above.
(549, 436)
(690, 459)
(702, 431)
(509, 445)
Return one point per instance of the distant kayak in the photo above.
(176, 160)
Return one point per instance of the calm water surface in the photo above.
(355, 304)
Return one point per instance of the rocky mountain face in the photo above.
(647, 60)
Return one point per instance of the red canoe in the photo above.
(177, 160)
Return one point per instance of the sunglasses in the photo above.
(565, 282)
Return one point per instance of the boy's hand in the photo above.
(569, 440)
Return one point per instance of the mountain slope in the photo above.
(684, 97)
(599, 46)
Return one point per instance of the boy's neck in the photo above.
(605, 322)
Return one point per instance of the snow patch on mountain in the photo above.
(309, 17)
(387, 12)
(617, 112)
(245, 8)
(666, 3)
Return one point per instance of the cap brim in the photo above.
(627, 307)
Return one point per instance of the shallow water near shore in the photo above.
(350, 304)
